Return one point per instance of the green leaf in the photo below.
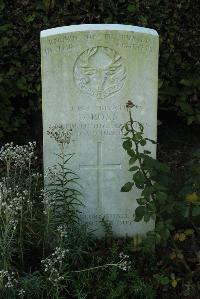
(148, 190)
(29, 18)
(151, 140)
(132, 160)
(165, 280)
(187, 108)
(183, 208)
(150, 162)
(127, 144)
(161, 196)
(131, 153)
(196, 211)
(189, 232)
(138, 136)
(139, 177)
(162, 167)
(143, 142)
(139, 213)
(147, 216)
(5, 27)
(133, 168)
(133, 7)
(141, 200)
(186, 82)
(127, 187)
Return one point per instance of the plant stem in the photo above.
(97, 267)
(183, 260)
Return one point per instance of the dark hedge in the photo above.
(177, 23)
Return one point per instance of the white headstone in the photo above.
(89, 72)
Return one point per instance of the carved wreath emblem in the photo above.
(99, 71)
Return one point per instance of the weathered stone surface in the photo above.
(88, 74)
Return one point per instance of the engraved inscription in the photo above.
(62, 39)
(99, 71)
(129, 41)
(99, 121)
(96, 129)
(60, 44)
(92, 218)
(66, 43)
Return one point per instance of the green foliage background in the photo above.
(177, 22)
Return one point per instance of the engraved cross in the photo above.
(99, 167)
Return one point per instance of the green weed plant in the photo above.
(170, 198)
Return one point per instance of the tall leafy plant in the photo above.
(62, 195)
(166, 197)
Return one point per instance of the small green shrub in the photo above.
(170, 198)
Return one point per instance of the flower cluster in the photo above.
(4, 190)
(10, 204)
(21, 293)
(52, 265)
(48, 201)
(7, 280)
(18, 155)
(125, 263)
(56, 258)
(60, 134)
(36, 175)
(51, 173)
(62, 230)
(7, 152)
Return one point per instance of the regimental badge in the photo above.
(99, 72)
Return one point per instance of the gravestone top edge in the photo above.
(96, 27)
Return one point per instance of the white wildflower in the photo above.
(21, 293)
(53, 263)
(60, 134)
(125, 263)
(62, 230)
(8, 279)
(48, 201)
(18, 155)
